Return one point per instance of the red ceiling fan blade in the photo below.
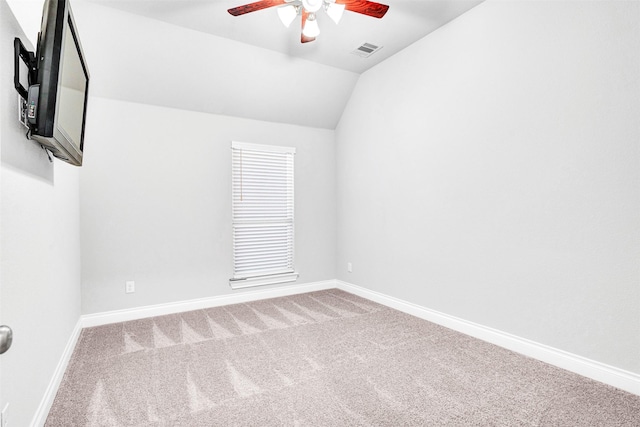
(369, 8)
(303, 38)
(252, 7)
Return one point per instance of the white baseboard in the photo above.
(40, 416)
(601, 372)
(610, 375)
(97, 319)
(107, 317)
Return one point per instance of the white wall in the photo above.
(156, 202)
(39, 250)
(152, 62)
(491, 171)
(3, 73)
(155, 183)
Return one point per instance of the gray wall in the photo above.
(491, 171)
(156, 181)
(156, 202)
(39, 250)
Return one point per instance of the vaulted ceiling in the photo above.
(193, 55)
(405, 22)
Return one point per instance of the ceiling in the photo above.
(193, 55)
(405, 22)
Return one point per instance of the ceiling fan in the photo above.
(289, 9)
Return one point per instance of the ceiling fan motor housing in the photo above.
(312, 5)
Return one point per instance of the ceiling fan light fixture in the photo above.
(287, 14)
(335, 11)
(311, 28)
(289, 9)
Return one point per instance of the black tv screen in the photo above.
(63, 79)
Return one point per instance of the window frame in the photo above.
(279, 216)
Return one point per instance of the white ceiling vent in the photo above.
(366, 50)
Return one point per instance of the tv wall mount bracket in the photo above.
(28, 104)
(21, 53)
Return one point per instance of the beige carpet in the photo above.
(324, 358)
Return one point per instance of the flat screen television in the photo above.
(56, 102)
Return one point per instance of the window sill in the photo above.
(251, 282)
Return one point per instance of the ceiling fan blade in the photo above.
(303, 38)
(369, 8)
(252, 7)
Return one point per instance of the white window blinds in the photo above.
(262, 205)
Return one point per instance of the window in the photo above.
(262, 209)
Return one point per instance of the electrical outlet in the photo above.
(130, 287)
(4, 421)
(349, 267)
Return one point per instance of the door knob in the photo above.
(6, 337)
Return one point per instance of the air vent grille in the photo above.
(365, 50)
